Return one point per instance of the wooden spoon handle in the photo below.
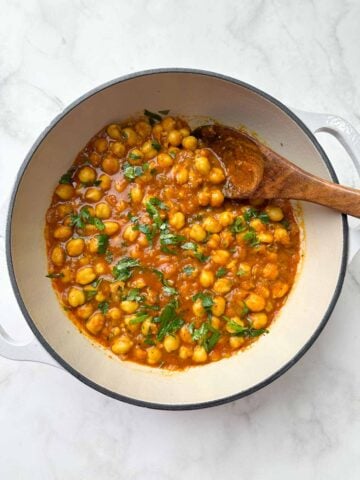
(290, 181)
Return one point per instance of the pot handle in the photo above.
(349, 138)
(9, 347)
(29, 352)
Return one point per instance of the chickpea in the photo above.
(211, 225)
(222, 285)
(255, 302)
(76, 297)
(197, 233)
(146, 327)
(216, 176)
(58, 256)
(130, 135)
(135, 156)
(281, 236)
(75, 247)
(218, 307)
(105, 182)
(229, 328)
(189, 143)
(279, 289)
(203, 198)
(221, 257)
(168, 124)
(84, 311)
(66, 275)
(143, 128)
(185, 132)
(101, 145)
(236, 342)
(110, 165)
(216, 198)
(185, 334)
(114, 314)
(226, 239)
(171, 343)
(185, 352)
(164, 160)
(129, 306)
(174, 138)
(64, 209)
(148, 150)
(202, 165)
(122, 345)
(103, 210)
(153, 355)
(63, 232)
(85, 275)
(130, 234)
(118, 149)
(95, 323)
(65, 191)
(214, 240)
(259, 320)
(265, 237)
(199, 355)
(111, 228)
(244, 269)
(270, 271)
(198, 309)
(257, 225)
(93, 194)
(182, 175)
(87, 175)
(207, 278)
(136, 194)
(275, 213)
(215, 322)
(226, 218)
(177, 220)
(157, 130)
(100, 268)
(113, 131)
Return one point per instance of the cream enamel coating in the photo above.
(186, 94)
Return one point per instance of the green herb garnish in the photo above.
(139, 318)
(237, 226)
(123, 269)
(54, 275)
(221, 272)
(153, 117)
(251, 238)
(103, 243)
(156, 145)
(134, 295)
(254, 213)
(240, 331)
(169, 321)
(206, 300)
(103, 307)
(79, 220)
(207, 336)
(67, 177)
(134, 156)
(133, 171)
(164, 112)
(188, 270)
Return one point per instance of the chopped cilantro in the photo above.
(206, 335)
(254, 213)
(251, 238)
(133, 171)
(241, 272)
(67, 177)
(221, 272)
(155, 144)
(139, 318)
(240, 331)
(188, 270)
(206, 299)
(83, 217)
(153, 117)
(164, 112)
(123, 269)
(103, 307)
(134, 295)
(169, 321)
(103, 243)
(285, 223)
(237, 226)
(55, 275)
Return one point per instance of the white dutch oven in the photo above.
(189, 93)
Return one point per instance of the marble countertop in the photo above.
(304, 425)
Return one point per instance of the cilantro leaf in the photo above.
(103, 243)
(139, 318)
(83, 217)
(221, 272)
(207, 336)
(154, 117)
(54, 275)
(155, 144)
(133, 171)
(134, 295)
(251, 213)
(164, 112)
(123, 269)
(188, 270)
(169, 321)
(237, 226)
(240, 331)
(67, 177)
(251, 238)
(103, 307)
(206, 299)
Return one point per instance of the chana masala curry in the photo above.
(148, 257)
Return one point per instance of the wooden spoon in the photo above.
(255, 171)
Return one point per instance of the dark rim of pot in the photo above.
(58, 358)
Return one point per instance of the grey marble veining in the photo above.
(304, 425)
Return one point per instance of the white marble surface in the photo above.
(304, 425)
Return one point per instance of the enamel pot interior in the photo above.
(190, 94)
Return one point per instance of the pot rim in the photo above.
(49, 348)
